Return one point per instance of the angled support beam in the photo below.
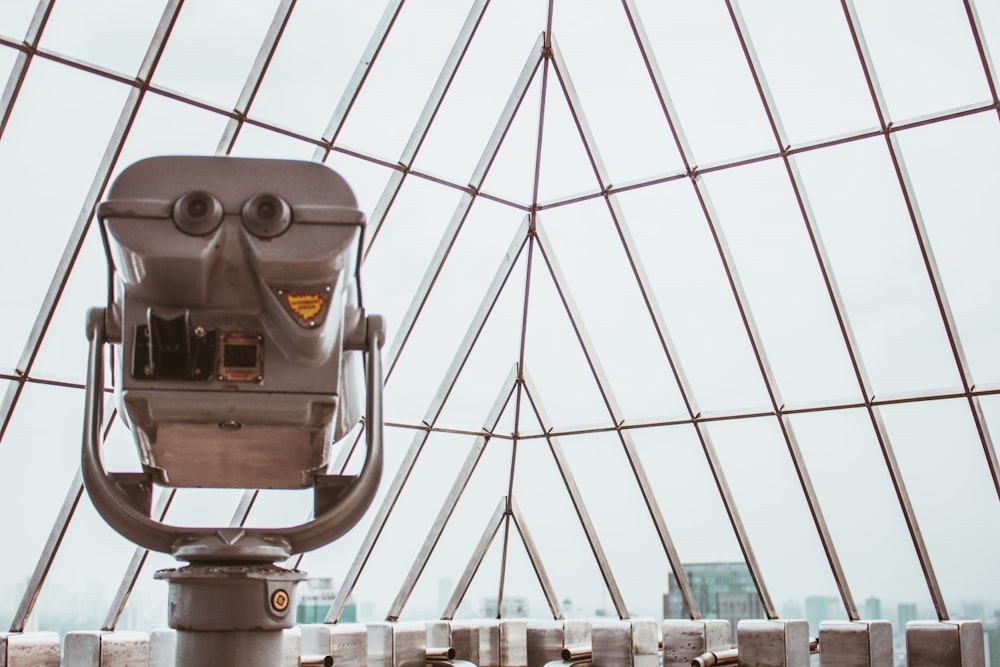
(462, 587)
(536, 562)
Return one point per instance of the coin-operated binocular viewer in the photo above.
(242, 355)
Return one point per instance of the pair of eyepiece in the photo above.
(264, 215)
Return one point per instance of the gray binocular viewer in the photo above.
(242, 347)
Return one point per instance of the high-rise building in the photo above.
(873, 608)
(315, 599)
(722, 590)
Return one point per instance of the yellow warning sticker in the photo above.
(306, 306)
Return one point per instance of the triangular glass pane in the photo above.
(555, 358)
(624, 525)
(480, 89)
(597, 272)
(412, 517)
(471, 516)
(565, 168)
(496, 350)
(511, 175)
(615, 91)
(548, 510)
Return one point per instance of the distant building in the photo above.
(820, 608)
(722, 590)
(905, 612)
(315, 599)
(873, 609)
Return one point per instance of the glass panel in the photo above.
(212, 48)
(772, 504)
(924, 56)
(565, 167)
(958, 206)
(555, 360)
(989, 21)
(512, 173)
(117, 34)
(940, 456)
(402, 77)
(787, 298)
(597, 274)
(15, 17)
(871, 244)
(448, 314)
(412, 518)
(621, 520)
(718, 105)
(64, 350)
(334, 560)
(85, 575)
(687, 494)
(38, 460)
(367, 180)
(48, 158)
(408, 238)
(555, 526)
(255, 141)
(811, 68)
(460, 131)
(326, 39)
(489, 483)
(166, 127)
(681, 259)
(615, 90)
(861, 510)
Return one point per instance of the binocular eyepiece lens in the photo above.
(197, 213)
(266, 216)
